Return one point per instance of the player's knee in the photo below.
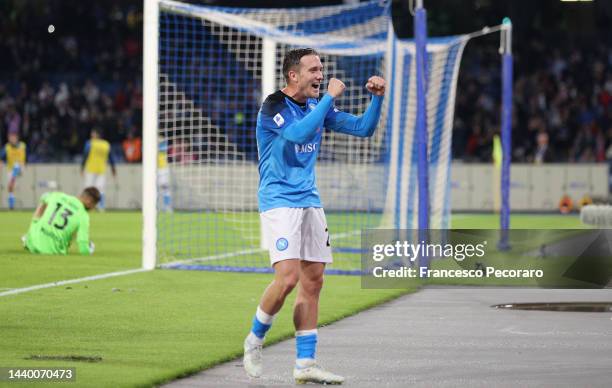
(313, 286)
(288, 283)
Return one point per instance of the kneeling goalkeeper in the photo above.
(57, 219)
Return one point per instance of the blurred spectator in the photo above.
(12, 119)
(132, 148)
(179, 152)
(543, 153)
(91, 92)
(567, 96)
(589, 145)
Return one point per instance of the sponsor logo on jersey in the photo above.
(312, 106)
(305, 148)
(282, 244)
(278, 119)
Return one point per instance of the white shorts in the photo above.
(14, 172)
(163, 177)
(296, 233)
(95, 180)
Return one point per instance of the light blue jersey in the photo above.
(288, 141)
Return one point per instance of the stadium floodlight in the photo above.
(207, 70)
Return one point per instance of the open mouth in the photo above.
(316, 86)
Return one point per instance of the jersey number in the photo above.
(64, 215)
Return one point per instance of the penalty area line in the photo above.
(71, 281)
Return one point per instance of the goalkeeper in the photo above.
(57, 219)
(289, 133)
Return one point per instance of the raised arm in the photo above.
(365, 124)
(303, 131)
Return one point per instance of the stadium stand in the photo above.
(55, 87)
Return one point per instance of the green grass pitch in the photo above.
(150, 327)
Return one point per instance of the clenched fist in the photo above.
(335, 87)
(376, 85)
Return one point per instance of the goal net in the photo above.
(214, 68)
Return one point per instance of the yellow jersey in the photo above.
(14, 154)
(162, 155)
(97, 154)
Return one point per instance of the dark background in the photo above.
(563, 73)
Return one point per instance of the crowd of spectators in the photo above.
(57, 86)
(69, 67)
(55, 122)
(562, 107)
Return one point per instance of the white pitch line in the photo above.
(243, 252)
(214, 257)
(71, 281)
(16, 291)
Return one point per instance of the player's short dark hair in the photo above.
(93, 193)
(293, 57)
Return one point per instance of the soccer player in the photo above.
(14, 155)
(163, 175)
(96, 155)
(57, 219)
(289, 132)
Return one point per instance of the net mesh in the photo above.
(211, 72)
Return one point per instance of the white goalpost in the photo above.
(206, 72)
(149, 133)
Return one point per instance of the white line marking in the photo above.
(516, 331)
(214, 257)
(71, 281)
(243, 252)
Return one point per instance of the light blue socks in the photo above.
(306, 346)
(261, 324)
